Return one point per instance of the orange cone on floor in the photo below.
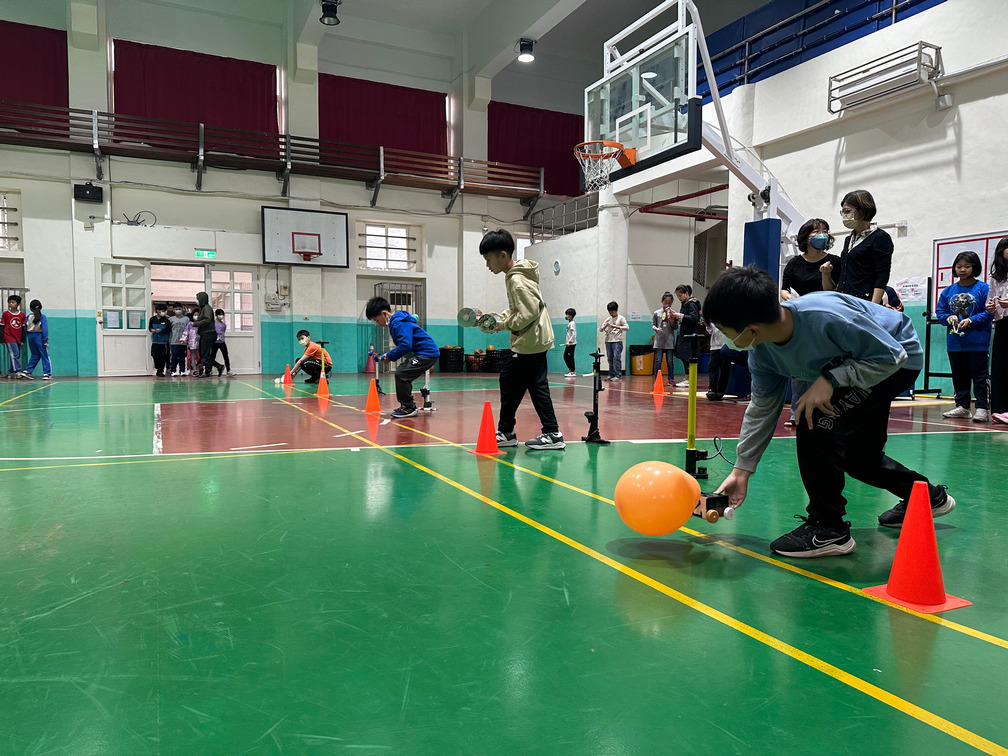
(372, 399)
(659, 384)
(288, 379)
(323, 385)
(915, 580)
(487, 441)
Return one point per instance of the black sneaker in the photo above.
(814, 540)
(311, 380)
(547, 441)
(401, 412)
(941, 504)
(714, 396)
(506, 439)
(220, 370)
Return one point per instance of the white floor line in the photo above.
(157, 429)
(260, 446)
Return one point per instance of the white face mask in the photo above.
(738, 348)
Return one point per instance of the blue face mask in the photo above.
(820, 241)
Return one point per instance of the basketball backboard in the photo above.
(647, 98)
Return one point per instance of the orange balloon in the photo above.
(655, 498)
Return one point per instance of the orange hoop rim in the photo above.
(616, 149)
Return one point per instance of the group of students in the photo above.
(19, 329)
(187, 343)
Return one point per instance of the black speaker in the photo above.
(88, 192)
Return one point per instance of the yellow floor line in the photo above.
(8, 401)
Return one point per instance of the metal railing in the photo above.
(907, 67)
(575, 214)
(103, 134)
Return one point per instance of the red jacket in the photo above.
(13, 327)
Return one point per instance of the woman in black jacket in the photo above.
(866, 259)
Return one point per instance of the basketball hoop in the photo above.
(598, 159)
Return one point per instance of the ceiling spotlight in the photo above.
(525, 50)
(649, 75)
(329, 9)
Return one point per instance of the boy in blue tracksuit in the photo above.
(408, 337)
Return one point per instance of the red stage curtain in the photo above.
(375, 114)
(36, 69)
(177, 85)
(534, 137)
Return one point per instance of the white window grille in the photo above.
(232, 291)
(10, 221)
(388, 247)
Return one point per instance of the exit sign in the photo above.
(206, 253)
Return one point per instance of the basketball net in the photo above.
(598, 159)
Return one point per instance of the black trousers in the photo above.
(970, 367)
(852, 443)
(999, 367)
(221, 347)
(408, 371)
(177, 358)
(569, 357)
(314, 368)
(726, 362)
(159, 353)
(521, 373)
(206, 352)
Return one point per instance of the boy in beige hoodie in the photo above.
(531, 338)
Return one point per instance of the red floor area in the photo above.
(627, 411)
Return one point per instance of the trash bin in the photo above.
(641, 359)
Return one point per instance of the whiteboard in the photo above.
(304, 237)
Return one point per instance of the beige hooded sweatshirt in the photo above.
(526, 316)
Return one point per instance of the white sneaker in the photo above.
(232, 373)
(570, 375)
(682, 384)
(1000, 417)
(957, 412)
(980, 416)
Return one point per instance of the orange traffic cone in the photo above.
(487, 441)
(323, 385)
(288, 380)
(659, 384)
(915, 580)
(372, 399)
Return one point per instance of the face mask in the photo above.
(737, 347)
(850, 222)
(160, 314)
(178, 312)
(819, 241)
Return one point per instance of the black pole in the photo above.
(593, 436)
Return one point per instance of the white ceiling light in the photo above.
(525, 50)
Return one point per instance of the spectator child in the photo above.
(614, 327)
(411, 341)
(688, 319)
(570, 342)
(962, 307)
(191, 338)
(160, 331)
(37, 327)
(178, 321)
(220, 345)
(997, 306)
(664, 325)
(14, 334)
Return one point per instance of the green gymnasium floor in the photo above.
(212, 567)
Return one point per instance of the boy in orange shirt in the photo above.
(311, 360)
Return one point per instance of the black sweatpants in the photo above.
(521, 373)
(999, 368)
(852, 442)
(569, 357)
(159, 353)
(206, 352)
(221, 346)
(408, 371)
(178, 352)
(970, 367)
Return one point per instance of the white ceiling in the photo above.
(440, 16)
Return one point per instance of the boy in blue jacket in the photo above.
(408, 337)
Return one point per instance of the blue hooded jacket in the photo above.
(408, 336)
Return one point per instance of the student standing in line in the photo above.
(37, 327)
(570, 343)
(997, 307)
(962, 307)
(160, 331)
(614, 327)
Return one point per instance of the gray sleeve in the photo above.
(758, 426)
